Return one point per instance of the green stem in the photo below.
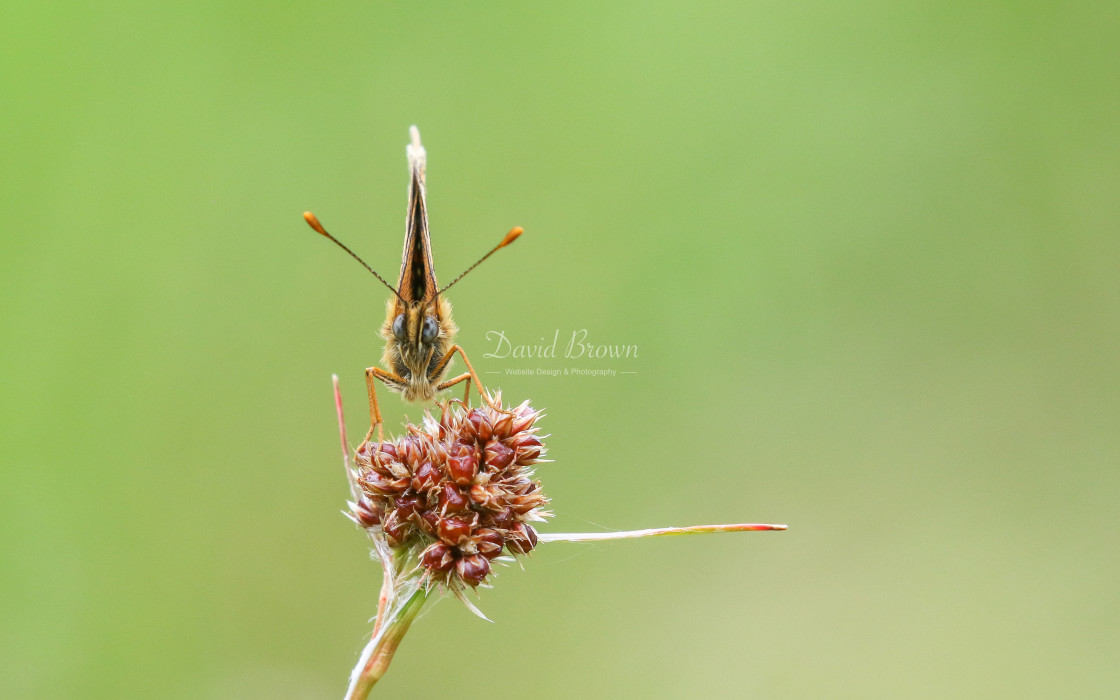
(377, 657)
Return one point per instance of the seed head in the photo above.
(455, 492)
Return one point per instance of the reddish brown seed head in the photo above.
(503, 519)
(481, 496)
(438, 557)
(455, 491)
(395, 529)
(454, 530)
(452, 500)
(367, 514)
(498, 455)
(408, 504)
(528, 448)
(428, 522)
(503, 426)
(462, 469)
(522, 539)
(426, 478)
(472, 569)
(377, 485)
(488, 542)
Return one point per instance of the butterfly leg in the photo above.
(375, 422)
(465, 377)
(470, 374)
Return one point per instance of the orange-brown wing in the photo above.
(417, 281)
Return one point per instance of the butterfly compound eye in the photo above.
(430, 330)
(398, 327)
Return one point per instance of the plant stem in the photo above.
(656, 532)
(378, 654)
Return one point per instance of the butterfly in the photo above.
(419, 331)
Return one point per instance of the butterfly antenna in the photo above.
(510, 238)
(313, 222)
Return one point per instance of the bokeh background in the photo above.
(868, 252)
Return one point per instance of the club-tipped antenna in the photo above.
(510, 238)
(313, 222)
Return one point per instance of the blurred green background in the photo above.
(868, 252)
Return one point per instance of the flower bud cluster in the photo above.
(458, 491)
